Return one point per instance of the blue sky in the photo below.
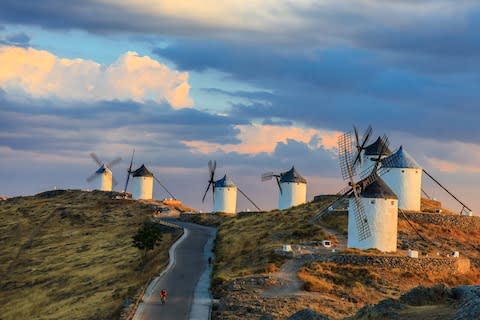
(258, 86)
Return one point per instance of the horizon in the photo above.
(257, 87)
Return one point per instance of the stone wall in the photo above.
(464, 223)
(451, 265)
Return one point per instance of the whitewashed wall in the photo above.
(406, 183)
(293, 194)
(103, 181)
(382, 216)
(142, 188)
(225, 200)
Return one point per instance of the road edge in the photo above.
(151, 287)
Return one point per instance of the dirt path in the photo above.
(286, 277)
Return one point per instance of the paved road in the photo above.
(181, 279)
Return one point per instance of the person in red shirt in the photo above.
(163, 295)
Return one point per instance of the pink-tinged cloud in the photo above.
(264, 138)
(452, 167)
(39, 73)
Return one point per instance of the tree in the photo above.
(147, 237)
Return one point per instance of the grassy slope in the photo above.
(245, 247)
(70, 256)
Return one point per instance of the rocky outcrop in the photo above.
(464, 299)
(468, 302)
(307, 314)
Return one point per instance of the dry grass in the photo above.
(369, 284)
(70, 256)
(245, 245)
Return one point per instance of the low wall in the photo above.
(451, 265)
(464, 223)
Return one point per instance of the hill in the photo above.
(252, 279)
(67, 254)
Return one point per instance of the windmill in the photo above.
(224, 192)
(142, 180)
(291, 185)
(103, 175)
(371, 200)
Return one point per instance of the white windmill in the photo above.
(404, 177)
(373, 207)
(102, 178)
(142, 180)
(292, 187)
(224, 192)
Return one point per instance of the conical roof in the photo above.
(375, 148)
(400, 159)
(142, 172)
(225, 182)
(378, 189)
(292, 175)
(102, 169)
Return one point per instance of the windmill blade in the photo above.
(268, 176)
(114, 181)
(129, 171)
(214, 165)
(251, 201)
(360, 217)
(341, 195)
(96, 159)
(206, 191)
(91, 177)
(278, 183)
(114, 162)
(357, 139)
(164, 188)
(361, 147)
(345, 152)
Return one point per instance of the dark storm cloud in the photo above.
(337, 87)
(37, 124)
(96, 17)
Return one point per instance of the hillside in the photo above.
(67, 254)
(252, 281)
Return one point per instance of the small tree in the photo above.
(147, 237)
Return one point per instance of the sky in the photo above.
(255, 85)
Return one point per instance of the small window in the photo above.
(372, 201)
(392, 202)
(403, 171)
(416, 171)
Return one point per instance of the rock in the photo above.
(385, 309)
(421, 295)
(307, 314)
(468, 298)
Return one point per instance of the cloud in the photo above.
(265, 138)
(41, 74)
(452, 167)
(16, 39)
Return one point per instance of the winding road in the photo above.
(188, 297)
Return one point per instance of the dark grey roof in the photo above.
(400, 159)
(292, 175)
(102, 169)
(375, 148)
(142, 172)
(225, 182)
(378, 189)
